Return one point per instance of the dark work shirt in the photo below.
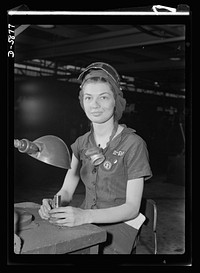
(126, 158)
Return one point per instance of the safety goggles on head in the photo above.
(108, 69)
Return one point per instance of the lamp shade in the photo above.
(49, 149)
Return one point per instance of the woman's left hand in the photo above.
(68, 216)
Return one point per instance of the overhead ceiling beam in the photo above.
(61, 30)
(115, 27)
(110, 34)
(25, 40)
(95, 43)
(175, 30)
(20, 29)
(150, 66)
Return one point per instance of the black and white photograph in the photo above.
(101, 125)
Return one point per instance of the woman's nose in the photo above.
(95, 103)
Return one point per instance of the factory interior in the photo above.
(151, 60)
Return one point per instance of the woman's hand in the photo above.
(45, 208)
(68, 216)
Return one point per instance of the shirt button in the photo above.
(94, 170)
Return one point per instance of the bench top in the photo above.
(41, 237)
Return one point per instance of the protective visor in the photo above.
(108, 69)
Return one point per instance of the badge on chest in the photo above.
(97, 157)
(107, 164)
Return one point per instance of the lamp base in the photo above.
(24, 218)
(21, 219)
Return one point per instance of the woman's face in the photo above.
(98, 101)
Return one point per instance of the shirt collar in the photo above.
(116, 140)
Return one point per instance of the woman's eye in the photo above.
(104, 97)
(87, 98)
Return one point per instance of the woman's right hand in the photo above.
(45, 208)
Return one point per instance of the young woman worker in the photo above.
(111, 160)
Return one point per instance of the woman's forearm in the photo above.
(120, 213)
(70, 183)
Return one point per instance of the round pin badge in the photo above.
(107, 165)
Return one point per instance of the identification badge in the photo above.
(119, 153)
(107, 165)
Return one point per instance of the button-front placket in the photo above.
(93, 187)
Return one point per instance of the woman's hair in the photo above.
(98, 79)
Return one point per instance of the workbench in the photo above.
(38, 236)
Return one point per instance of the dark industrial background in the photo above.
(151, 62)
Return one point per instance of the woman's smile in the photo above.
(96, 114)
